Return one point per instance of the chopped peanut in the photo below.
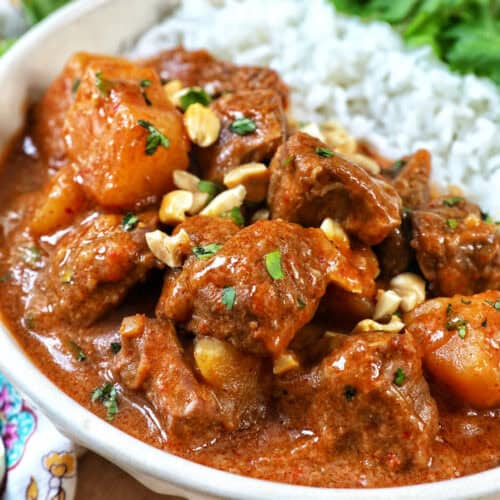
(202, 125)
(225, 201)
(255, 178)
(169, 249)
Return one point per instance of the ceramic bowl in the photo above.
(108, 26)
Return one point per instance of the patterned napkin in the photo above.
(36, 461)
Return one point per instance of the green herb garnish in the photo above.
(107, 395)
(228, 297)
(235, 215)
(67, 276)
(466, 302)
(324, 152)
(273, 264)
(452, 201)
(495, 305)
(209, 187)
(192, 96)
(452, 223)
(288, 160)
(399, 377)
(31, 254)
(243, 126)
(206, 251)
(462, 331)
(154, 139)
(75, 85)
(145, 83)
(455, 323)
(29, 322)
(397, 166)
(116, 347)
(103, 85)
(350, 392)
(78, 353)
(484, 323)
(130, 221)
(449, 310)
(301, 303)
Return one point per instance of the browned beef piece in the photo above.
(91, 269)
(233, 295)
(412, 182)
(367, 401)
(264, 108)
(153, 361)
(458, 252)
(308, 184)
(342, 309)
(199, 68)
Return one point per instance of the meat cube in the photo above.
(366, 400)
(232, 394)
(235, 147)
(91, 269)
(456, 250)
(412, 182)
(258, 289)
(123, 136)
(460, 340)
(309, 182)
(198, 68)
(343, 309)
(50, 112)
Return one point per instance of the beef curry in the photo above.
(276, 300)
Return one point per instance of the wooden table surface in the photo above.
(98, 479)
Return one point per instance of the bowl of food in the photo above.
(208, 280)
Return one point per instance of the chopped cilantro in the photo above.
(67, 276)
(228, 297)
(449, 310)
(288, 160)
(194, 95)
(399, 377)
(324, 152)
(146, 98)
(455, 323)
(78, 354)
(484, 323)
(397, 166)
(145, 83)
(495, 305)
(462, 331)
(209, 187)
(301, 303)
(29, 322)
(130, 221)
(75, 85)
(466, 302)
(243, 126)
(107, 395)
(31, 254)
(206, 251)
(452, 201)
(350, 392)
(154, 139)
(235, 215)
(452, 223)
(273, 264)
(116, 347)
(103, 85)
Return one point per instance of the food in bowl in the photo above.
(266, 297)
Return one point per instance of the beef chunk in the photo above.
(231, 394)
(367, 400)
(456, 250)
(264, 108)
(91, 269)
(460, 340)
(412, 182)
(123, 138)
(308, 185)
(233, 295)
(198, 68)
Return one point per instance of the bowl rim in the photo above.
(137, 456)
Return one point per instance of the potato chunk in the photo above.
(461, 344)
(123, 135)
(61, 200)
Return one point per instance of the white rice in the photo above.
(360, 74)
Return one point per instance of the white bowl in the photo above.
(107, 26)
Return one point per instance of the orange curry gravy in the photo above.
(281, 445)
